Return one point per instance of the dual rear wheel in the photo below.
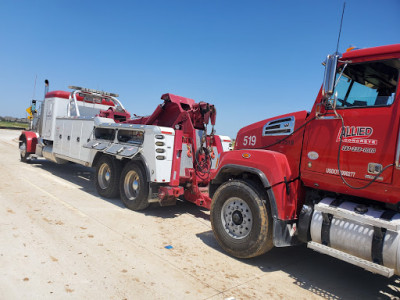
(112, 179)
(107, 175)
(133, 187)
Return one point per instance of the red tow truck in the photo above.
(329, 177)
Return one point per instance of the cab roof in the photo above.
(381, 52)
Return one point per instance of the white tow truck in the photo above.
(156, 158)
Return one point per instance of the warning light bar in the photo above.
(92, 91)
(351, 48)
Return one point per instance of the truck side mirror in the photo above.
(329, 76)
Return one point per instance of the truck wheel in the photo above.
(22, 150)
(107, 176)
(241, 222)
(133, 187)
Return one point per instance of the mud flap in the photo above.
(285, 233)
(303, 231)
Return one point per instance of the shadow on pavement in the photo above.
(320, 274)
(181, 207)
(83, 177)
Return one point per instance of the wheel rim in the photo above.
(104, 177)
(131, 185)
(236, 218)
(22, 149)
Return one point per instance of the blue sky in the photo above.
(252, 59)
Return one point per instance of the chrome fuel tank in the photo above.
(362, 231)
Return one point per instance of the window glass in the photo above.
(367, 84)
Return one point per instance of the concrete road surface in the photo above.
(60, 240)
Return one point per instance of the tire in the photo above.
(22, 150)
(107, 175)
(133, 187)
(241, 222)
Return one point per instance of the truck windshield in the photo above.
(368, 84)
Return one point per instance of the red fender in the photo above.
(31, 140)
(271, 168)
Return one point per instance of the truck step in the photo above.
(365, 264)
(363, 219)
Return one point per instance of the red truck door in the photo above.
(369, 106)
